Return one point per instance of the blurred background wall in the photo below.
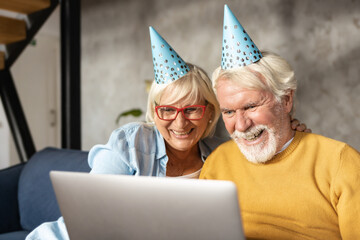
(321, 39)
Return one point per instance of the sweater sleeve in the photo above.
(347, 193)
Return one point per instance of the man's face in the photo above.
(258, 123)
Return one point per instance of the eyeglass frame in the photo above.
(182, 111)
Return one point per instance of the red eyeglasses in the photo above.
(169, 113)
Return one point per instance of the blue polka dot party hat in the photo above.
(168, 65)
(238, 50)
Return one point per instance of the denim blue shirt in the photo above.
(134, 149)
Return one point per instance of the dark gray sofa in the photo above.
(26, 195)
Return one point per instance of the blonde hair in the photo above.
(195, 86)
(271, 73)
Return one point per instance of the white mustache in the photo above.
(249, 134)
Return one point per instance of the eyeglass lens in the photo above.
(170, 113)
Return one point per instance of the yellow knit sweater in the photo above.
(311, 190)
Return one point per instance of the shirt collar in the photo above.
(204, 150)
(160, 145)
(285, 145)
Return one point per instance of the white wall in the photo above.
(4, 140)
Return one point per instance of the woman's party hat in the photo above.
(168, 65)
(238, 49)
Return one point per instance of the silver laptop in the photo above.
(126, 207)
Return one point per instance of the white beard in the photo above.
(259, 153)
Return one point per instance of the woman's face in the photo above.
(181, 134)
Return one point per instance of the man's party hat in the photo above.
(168, 65)
(238, 49)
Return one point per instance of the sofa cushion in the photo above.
(37, 201)
(14, 235)
(9, 217)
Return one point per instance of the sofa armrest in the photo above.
(9, 208)
(37, 201)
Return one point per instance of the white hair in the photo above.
(271, 73)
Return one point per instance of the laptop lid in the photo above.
(98, 206)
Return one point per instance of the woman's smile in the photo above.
(181, 134)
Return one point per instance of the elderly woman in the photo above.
(181, 117)
(177, 144)
(182, 113)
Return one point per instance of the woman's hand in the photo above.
(301, 127)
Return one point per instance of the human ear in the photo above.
(288, 101)
(210, 112)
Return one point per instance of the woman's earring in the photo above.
(210, 121)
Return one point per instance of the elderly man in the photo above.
(291, 185)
